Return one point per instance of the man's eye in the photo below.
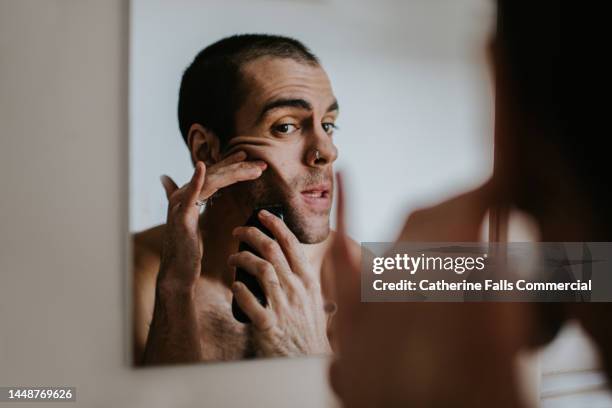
(285, 128)
(329, 127)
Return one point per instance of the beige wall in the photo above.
(63, 225)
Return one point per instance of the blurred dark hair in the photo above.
(212, 88)
(529, 41)
(529, 37)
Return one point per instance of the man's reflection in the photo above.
(257, 113)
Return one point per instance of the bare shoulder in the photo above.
(354, 246)
(147, 250)
(146, 256)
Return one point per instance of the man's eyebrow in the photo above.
(284, 103)
(292, 103)
(333, 107)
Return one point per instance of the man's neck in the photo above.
(217, 223)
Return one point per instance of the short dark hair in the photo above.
(211, 88)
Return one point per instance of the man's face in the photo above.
(287, 120)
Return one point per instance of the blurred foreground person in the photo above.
(464, 354)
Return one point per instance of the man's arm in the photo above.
(145, 268)
(165, 325)
(174, 335)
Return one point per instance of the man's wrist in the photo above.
(175, 289)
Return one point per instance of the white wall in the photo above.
(64, 208)
(64, 228)
(410, 76)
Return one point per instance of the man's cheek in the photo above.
(275, 156)
(256, 147)
(281, 167)
(283, 159)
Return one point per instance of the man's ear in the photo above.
(204, 145)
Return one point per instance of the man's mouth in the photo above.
(317, 197)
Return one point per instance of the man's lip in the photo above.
(321, 189)
(318, 197)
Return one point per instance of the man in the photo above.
(257, 113)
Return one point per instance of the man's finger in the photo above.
(193, 188)
(344, 266)
(264, 272)
(231, 159)
(231, 174)
(288, 242)
(169, 185)
(260, 317)
(340, 212)
(269, 250)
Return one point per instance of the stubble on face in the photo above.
(287, 177)
(309, 227)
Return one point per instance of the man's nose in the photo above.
(322, 151)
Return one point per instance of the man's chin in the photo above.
(314, 237)
(308, 229)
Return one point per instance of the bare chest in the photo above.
(221, 336)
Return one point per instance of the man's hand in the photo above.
(422, 354)
(174, 333)
(182, 246)
(294, 323)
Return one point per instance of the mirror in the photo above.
(372, 88)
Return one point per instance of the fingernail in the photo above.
(235, 231)
(264, 213)
(262, 164)
(235, 287)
